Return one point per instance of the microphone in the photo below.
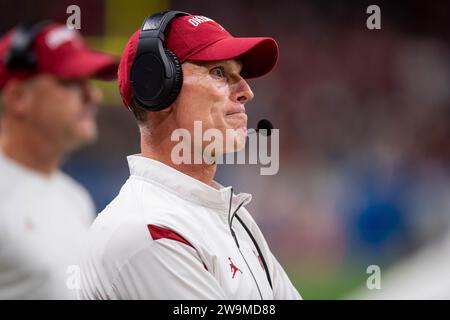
(266, 126)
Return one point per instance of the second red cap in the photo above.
(63, 53)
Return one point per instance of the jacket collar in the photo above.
(183, 185)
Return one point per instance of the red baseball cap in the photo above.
(63, 53)
(201, 38)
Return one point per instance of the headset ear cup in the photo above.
(31, 61)
(177, 79)
(21, 54)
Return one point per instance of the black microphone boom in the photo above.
(266, 126)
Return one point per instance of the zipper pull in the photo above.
(235, 238)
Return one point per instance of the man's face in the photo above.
(214, 93)
(64, 111)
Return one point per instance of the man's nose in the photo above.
(243, 92)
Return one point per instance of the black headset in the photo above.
(21, 56)
(156, 76)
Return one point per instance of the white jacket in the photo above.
(169, 236)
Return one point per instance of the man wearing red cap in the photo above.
(173, 232)
(47, 110)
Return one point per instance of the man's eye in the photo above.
(218, 72)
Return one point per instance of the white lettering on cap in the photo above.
(197, 20)
(58, 36)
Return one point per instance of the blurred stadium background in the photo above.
(364, 124)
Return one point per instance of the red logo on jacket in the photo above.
(233, 268)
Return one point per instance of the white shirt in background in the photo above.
(43, 221)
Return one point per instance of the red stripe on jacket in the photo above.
(158, 232)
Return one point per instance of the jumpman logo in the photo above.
(233, 267)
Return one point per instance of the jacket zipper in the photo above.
(230, 221)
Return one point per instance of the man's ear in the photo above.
(17, 97)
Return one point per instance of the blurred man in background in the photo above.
(48, 109)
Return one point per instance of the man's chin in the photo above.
(237, 145)
(82, 138)
(241, 138)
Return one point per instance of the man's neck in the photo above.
(202, 172)
(32, 151)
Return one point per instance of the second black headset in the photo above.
(21, 55)
(156, 76)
